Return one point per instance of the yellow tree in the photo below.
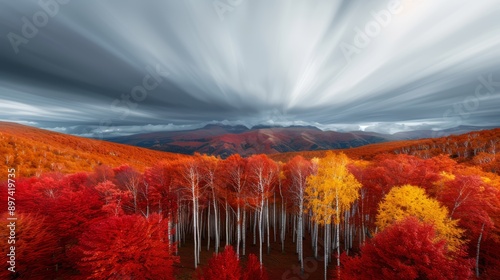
(331, 191)
(407, 200)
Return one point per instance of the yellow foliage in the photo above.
(332, 189)
(362, 163)
(445, 176)
(408, 200)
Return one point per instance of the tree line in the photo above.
(355, 212)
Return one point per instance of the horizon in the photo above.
(458, 130)
(385, 66)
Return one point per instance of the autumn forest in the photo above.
(420, 211)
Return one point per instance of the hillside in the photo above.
(33, 151)
(479, 148)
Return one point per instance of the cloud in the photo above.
(339, 65)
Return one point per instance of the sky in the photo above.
(118, 67)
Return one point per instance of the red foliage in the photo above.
(235, 178)
(263, 173)
(471, 201)
(254, 270)
(406, 250)
(161, 179)
(127, 247)
(112, 196)
(226, 265)
(35, 248)
(222, 266)
(75, 182)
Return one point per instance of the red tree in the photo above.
(130, 180)
(474, 203)
(296, 172)
(235, 175)
(222, 266)
(226, 265)
(113, 198)
(254, 270)
(161, 196)
(406, 250)
(263, 172)
(35, 248)
(127, 247)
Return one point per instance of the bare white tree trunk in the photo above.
(255, 228)
(478, 249)
(337, 242)
(315, 245)
(244, 229)
(325, 249)
(238, 234)
(283, 226)
(216, 225)
(208, 228)
(195, 222)
(274, 216)
(299, 242)
(227, 224)
(267, 222)
(260, 230)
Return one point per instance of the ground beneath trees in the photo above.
(279, 265)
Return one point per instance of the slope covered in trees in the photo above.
(479, 148)
(33, 151)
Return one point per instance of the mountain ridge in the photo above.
(224, 140)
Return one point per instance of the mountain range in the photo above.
(225, 140)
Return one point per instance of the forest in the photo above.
(391, 216)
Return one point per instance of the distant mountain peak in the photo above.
(227, 127)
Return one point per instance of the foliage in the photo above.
(407, 249)
(226, 265)
(407, 200)
(458, 194)
(254, 270)
(222, 266)
(130, 247)
(34, 151)
(35, 247)
(332, 189)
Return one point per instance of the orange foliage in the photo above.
(34, 151)
(480, 148)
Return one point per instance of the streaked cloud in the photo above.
(266, 62)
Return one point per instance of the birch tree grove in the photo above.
(191, 182)
(330, 192)
(209, 199)
(236, 178)
(384, 216)
(296, 171)
(210, 165)
(263, 172)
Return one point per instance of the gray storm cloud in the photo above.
(137, 66)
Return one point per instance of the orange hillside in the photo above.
(33, 151)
